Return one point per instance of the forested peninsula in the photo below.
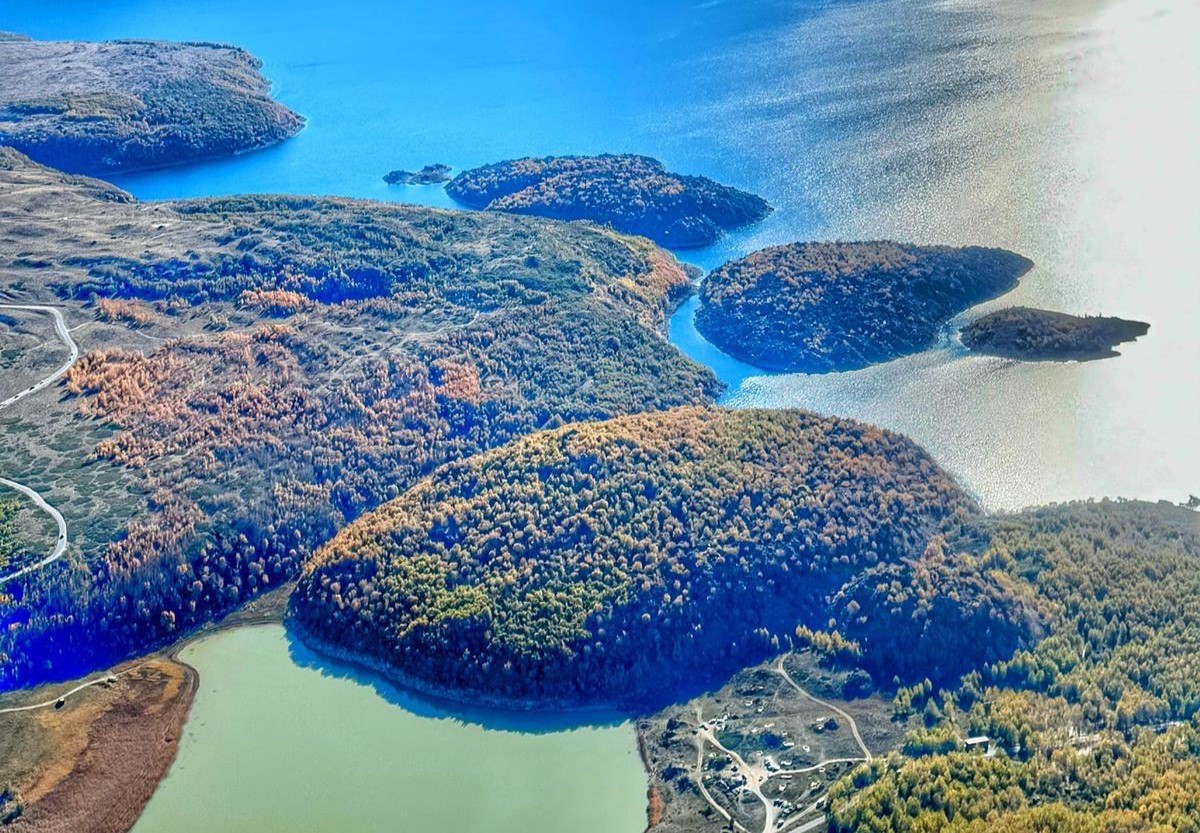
(633, 194)
(624, 562)
(822, 307)
(101, 108)
(1097, 728)
(1092, 728)
(257, 371)
(1043, 335)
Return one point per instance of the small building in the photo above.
(981, 743)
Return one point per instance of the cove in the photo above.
(1064, 131)
(280, 740)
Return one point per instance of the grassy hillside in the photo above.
(259, 370)
(8, 531)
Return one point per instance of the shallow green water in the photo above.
(365, 765)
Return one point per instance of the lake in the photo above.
(278, 740)
(1065, 131)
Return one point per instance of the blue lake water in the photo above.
(1065, 131)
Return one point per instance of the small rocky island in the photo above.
(98, 108)
(822, 307)
(633, 194)
(429, 175)
(1043, 335)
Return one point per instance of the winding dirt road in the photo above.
(53, 701)
(867, 756)
(756, 776)
(59, 548)
(60, 326)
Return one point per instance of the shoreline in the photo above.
(448, 696)
(108, 174)
(74, 796)
(108, 753)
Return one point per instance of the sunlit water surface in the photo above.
(1065, 131)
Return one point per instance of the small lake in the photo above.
(278, 740)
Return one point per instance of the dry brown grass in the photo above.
(91, 766)
(655, 807)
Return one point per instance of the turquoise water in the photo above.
(280, 741)
(1063, 130)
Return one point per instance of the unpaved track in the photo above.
(60, 326)
(59, 548)
(757, 776)
(867, 756)
(53, 701)
(63, 333)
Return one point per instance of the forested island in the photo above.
(822, 307)
(1043, 335)
(429, 175)
(260, 370)
(626, 561)
(633, 194)
(100, 108)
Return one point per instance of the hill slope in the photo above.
(618, 561)
(1097, 728)
(258, 370)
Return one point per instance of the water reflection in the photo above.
(423, 705)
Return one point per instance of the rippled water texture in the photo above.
(1064, 130)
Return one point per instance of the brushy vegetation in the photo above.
(1094, 730)
(326, 354)
(1038, 334)
(633, 194)
(820, 307)
(619, 561)
(91, 765)
(8, 531)
(122, 105)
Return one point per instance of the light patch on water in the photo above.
(1075, 146)
(278, 740)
